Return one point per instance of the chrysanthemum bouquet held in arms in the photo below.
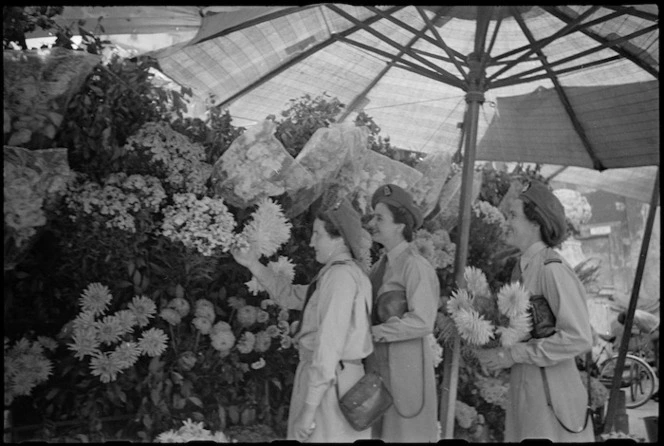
(487, 321)
(111, 340)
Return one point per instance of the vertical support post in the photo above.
(631, 309)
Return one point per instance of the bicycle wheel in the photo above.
(638, 379)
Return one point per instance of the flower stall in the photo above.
(122, 302)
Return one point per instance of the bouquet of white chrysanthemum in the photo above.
(190, 431)
(26, 366)
(114, 342)
(282, 268)
(486, 321)
(267, 230)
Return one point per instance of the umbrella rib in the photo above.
(630, 10)
(608, 42)
(517, 79)
(374, 81)
(597, 164)
(387, 39)
(540, 44)
(575, 57)
(448, 78)
(441, 42)
(252, 22)
(266, 77)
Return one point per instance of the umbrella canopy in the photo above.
(410, 68)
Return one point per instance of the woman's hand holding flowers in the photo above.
(247, 257)
(494, 359)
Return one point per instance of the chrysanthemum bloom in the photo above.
(105, 367)
(126, 354)
(95, 298)
(521, 324)
(272, 331)
(508, 336)
(181, 305)
(109, 330)
(283, 326)
(205, 309)
(265, 303)
(236, 302)
(48, 343)
(84, 342)
(472, 327)
(268, 228)
(258, 364)
(246, 343)
(254, 286)
(143, 308)
(513, 299)
(262, 316)
(127, 320)
(202, 324)
(246, 315)
(460, 300)
(171, 316)
(153, 342)
(263, 341)
(476, 281)
(223, 340)
(220, 327)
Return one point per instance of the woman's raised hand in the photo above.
(246, 257)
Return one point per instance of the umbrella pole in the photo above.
(629, 318)
(451, 358)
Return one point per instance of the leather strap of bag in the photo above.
(548, 402)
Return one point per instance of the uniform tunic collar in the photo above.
(397, 251)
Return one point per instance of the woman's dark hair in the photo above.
(549, 237)
(330, 227)
(401, 215)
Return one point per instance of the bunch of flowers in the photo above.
(436, 247)
(483, 320)
(191, 431)
(117, 201)
(577, 208)
(493, 389)
(114, 342)
(171, 156)
(204, 224)
(267, 230)
(26, 366)
(252, 168)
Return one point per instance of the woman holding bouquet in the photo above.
(406, 295)
(333, 336)
(546, 397)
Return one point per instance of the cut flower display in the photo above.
(486, 321)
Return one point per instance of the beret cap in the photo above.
(396, 196)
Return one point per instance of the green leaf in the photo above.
(196, 401)
(123, 284)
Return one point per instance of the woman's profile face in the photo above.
(521, 232)
(383, 228)
(324, 245)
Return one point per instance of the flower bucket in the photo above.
(651, 428)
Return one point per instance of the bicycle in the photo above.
(638, 376)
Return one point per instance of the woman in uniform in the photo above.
(546, 398)
(334, 334)
(406, 295)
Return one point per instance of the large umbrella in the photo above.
(423, 72)
(585, 77)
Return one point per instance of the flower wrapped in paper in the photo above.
(378, 169)
(435, 169)
(34, 183)
(450, 196)
(325, 153)
(256, 166)
(486, 321)
(38, 86)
